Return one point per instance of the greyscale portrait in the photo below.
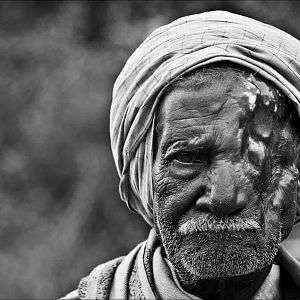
(150, 150)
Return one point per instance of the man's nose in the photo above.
(224, 196)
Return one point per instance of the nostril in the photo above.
(203, 203)
(241, 201)
(204, 209)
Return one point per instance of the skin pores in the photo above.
(225, 176)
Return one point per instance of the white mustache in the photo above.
(209, 222)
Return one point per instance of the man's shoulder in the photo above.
(105, 269)
(290, 290)
(71, 296)
(100, 275)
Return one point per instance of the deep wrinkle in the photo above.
(245, 159)
(204, 144)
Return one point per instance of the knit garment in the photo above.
(146, 274)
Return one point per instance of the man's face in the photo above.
(225, 177)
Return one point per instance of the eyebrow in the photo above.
(204, 143)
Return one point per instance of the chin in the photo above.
(208, 255)
(220, 263)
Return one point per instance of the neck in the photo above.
(234, 288)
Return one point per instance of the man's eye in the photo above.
(189, 157)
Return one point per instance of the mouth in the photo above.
(214, 223)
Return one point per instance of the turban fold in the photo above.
(171, 51)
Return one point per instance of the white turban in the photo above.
(170, 51)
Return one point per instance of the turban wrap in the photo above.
(171, 51)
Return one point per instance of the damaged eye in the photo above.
(190, 157)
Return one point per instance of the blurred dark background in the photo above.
(60, 212)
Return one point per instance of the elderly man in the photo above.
(205, 135)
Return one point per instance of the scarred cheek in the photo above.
(281, 207)
(272, 214)
(256, 153)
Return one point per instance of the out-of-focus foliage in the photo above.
(60, 212)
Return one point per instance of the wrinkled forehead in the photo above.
(224, 92)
